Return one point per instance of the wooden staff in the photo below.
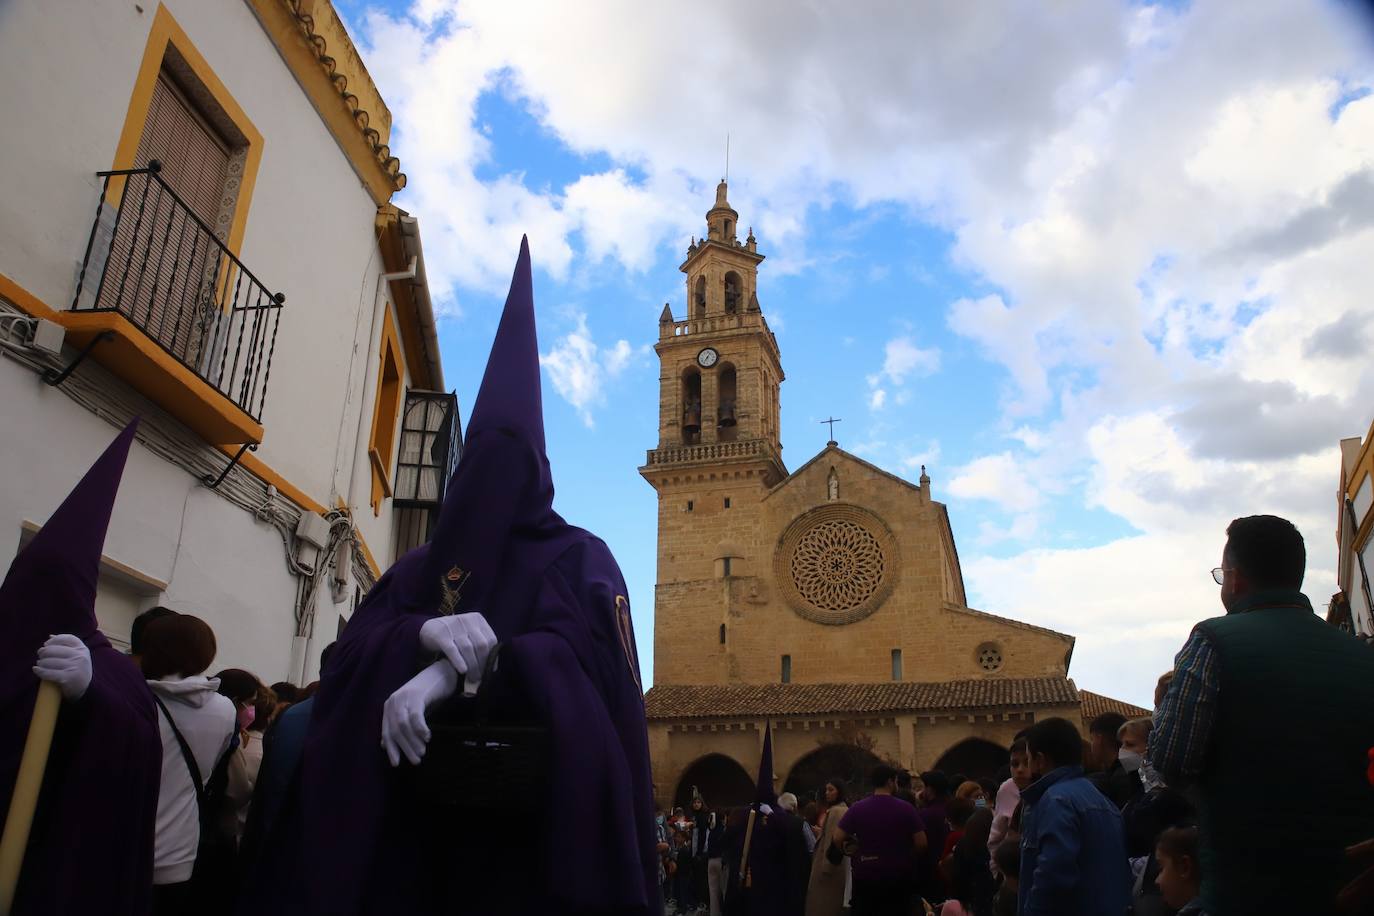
(744, 859)
(27, 784)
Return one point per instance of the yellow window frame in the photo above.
(165, 33)
(386, 411)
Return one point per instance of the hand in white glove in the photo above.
(404, 730)
(765, 810)
(65, 660)
(464, 639)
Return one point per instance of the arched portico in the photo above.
(721, 780)
(975, 758)
(846, 762)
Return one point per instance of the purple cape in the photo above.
(555, 597)
(91, 846)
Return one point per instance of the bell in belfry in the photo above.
(691, 418)
(727, 413)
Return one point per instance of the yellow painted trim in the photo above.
(362, 542)
(324, 94)
(166, 32)
(26, 300)
(37, 308)
(268, 475)
(381, 463)
(147, 368)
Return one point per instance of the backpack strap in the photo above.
(190, 758)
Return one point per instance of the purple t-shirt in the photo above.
(883, 826)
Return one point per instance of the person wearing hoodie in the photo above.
(198, 725)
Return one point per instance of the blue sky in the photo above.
(1076, 262)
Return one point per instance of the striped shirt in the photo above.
(1183, 722)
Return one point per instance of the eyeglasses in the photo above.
(1219, 574)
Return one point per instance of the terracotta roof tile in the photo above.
(704, 702)
(1095, 704)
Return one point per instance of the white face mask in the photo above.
(1130, 760)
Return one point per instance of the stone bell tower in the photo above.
(719, 449)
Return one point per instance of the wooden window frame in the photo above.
(386, 412)
(163, 35)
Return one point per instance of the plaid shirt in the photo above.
(1183, 722)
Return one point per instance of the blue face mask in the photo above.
(659, 820)
(980, 803)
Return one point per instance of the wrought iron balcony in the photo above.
(431, 443)
(152, 261)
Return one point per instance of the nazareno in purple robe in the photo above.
(91, 846)
(555, 597)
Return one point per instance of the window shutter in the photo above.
(167, 264)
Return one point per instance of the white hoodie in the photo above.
(207, 722)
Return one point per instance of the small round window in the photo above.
(990, 657)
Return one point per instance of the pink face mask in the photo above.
(246, 716)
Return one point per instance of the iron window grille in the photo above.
(431, 444)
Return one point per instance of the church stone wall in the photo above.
(937, 641)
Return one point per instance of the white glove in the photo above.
(404, 730)
(465, 640)
(65, 660)
(765, 810)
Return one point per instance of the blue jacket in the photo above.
(1073, 849)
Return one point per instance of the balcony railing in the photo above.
(151, 259)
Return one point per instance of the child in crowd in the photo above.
(1007, 858)
(1180, 879)
(1010, 792)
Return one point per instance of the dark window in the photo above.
(787, 669)
(725, 566)
(727, 502)
(689, 505)
(896, 664)
(722, 634)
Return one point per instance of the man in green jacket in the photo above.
(1267, 689)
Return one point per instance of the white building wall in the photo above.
(69, 69)
(219, 563)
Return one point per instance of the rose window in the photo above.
(836, 564)
(989, 657)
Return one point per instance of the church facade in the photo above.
(827, 601)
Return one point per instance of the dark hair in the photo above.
(1268, 550)
(882, 775)
(1058, 740)
(936, 782)
(286, 691)
(904, 778)
(1108, 725)
(1178, 843)
(177, 644)
(839, 790)
(1007, 855)
(239, 685)
(811, 813)
(140, 624)
(1020, 735)
(1018, 746)
(325, 653)
(959, 810)
(990, 787)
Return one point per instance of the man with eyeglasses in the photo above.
(1270, 681)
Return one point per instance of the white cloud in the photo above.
(581, 370)
(901, 358)
(1000, 479)
(1164, 219)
